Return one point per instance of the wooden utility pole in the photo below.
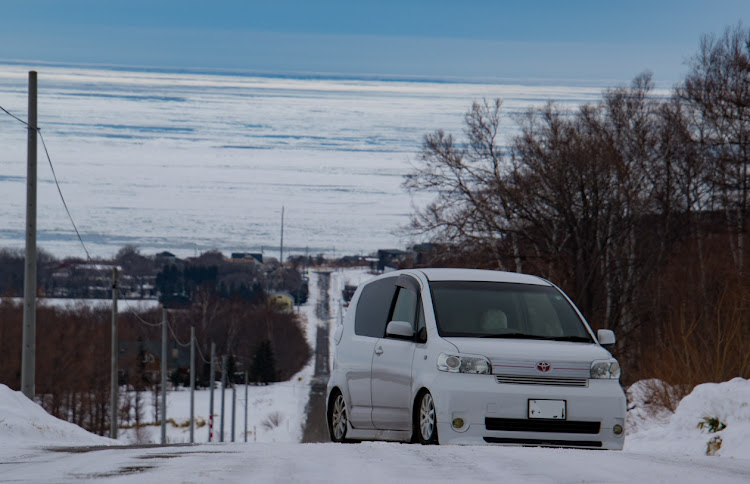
(28, 349)
(212, 376)
(164, 376)
(281, 246)
(224, 361)
(192, 384)
(113, 398)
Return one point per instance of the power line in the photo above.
(54, 175)
(15, 117)
(201, 354)
(143, 321)
(184, 345)
(49, 159)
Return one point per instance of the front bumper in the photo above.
(497, 413)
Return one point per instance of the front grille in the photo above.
(534, 425)
(556, 443)
(542, 380)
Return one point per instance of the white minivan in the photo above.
(461, 356)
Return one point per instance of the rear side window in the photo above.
(373, 307)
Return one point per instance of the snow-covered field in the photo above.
(144, 157)
(660, 449)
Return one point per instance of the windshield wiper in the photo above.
(513, 336)
(576, 339)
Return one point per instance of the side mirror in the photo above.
(606, 337)
(399, 329)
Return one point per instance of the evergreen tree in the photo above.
(264, 363)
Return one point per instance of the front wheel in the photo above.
(337, 418)
(426, 421)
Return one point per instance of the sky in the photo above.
(545, 39)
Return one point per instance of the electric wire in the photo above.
(134, 313)
(198, 347)
(57, 184)
(54, 175)
(184, 345)
(15, 117)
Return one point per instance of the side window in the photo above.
(373, 307)
(408, 307)
(405, 308)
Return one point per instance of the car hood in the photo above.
(518, 356)
(496, 348)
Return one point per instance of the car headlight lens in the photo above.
(605, 369)
(454, 363)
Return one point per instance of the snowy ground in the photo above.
(664, 448)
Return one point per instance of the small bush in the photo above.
(712, 425)
(272, 421)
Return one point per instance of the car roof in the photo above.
(481, 275)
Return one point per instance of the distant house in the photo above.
(143, 359)
(74, 279)
(166, 258)
(390, 258)
(251, 257)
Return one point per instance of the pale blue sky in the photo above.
(586, 40)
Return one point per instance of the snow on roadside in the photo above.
(679, 433)
(24, 423)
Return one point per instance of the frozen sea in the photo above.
(187, 162)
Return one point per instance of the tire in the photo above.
(425, 425)
(338, 417)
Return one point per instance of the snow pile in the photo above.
(23, 422)
(696, 426)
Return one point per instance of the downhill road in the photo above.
(315, 426)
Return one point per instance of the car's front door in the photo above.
(392, 365)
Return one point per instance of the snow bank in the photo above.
(681, 432)
(23, 422)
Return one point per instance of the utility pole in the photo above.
(234, 406)
(281, 246)
(211, 400)
(246, 402)
(223, 392)
(192, 384)
(28, 348)
(163, 375)
(113, 399)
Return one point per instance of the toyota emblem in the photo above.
(543, 366)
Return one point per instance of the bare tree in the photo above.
(717, 93)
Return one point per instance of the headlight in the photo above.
(605, 369)
(464, 364)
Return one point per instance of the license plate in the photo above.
(549, 409)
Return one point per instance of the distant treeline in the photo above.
(171, 279)
(637, 206)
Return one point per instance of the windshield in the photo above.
(505, 310)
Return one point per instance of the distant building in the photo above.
(252, 257)
(166, 258)
(142, 359)
(390, 258)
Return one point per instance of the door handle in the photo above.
(379, 351)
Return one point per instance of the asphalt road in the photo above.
(316, 429)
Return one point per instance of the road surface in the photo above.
(315, 426)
